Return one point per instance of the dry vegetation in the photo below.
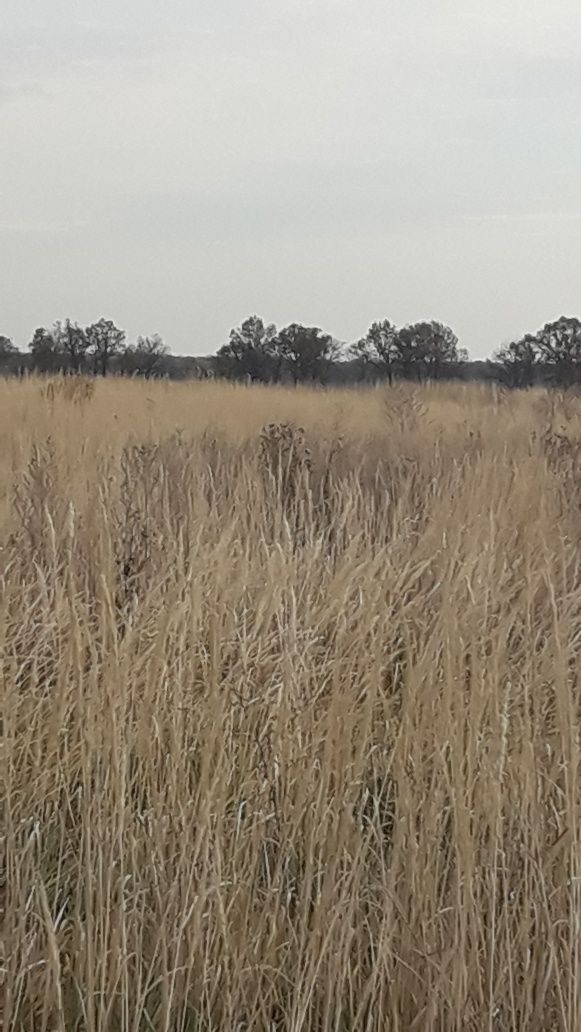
(290, 717)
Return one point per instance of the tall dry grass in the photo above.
(290, 719)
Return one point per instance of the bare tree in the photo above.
(71, 339)
(9, 355)
(307, 351)
(439, 347)
(423, 349)
(104, 341)
(559, 345)
(516, 363)
(47, 354)
(426, 349)
(249, 353)
(378, 348)
(146, 357)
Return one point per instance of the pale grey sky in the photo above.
(179, 164)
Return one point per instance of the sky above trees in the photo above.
(337, 161)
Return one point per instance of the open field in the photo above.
(290, 728)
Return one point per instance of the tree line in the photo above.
(553, 355)
(100, 348)
(418, 351)
(258, 352)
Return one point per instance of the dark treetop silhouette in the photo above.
(258, 352)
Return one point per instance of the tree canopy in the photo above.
(553, 354)
(250, 353)
(423, 350)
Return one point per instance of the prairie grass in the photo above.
(290, 709)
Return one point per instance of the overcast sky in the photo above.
(179, 164)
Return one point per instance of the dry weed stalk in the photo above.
(76, 390)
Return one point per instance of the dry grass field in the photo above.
(290, 717)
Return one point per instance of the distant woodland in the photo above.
(259, 352)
